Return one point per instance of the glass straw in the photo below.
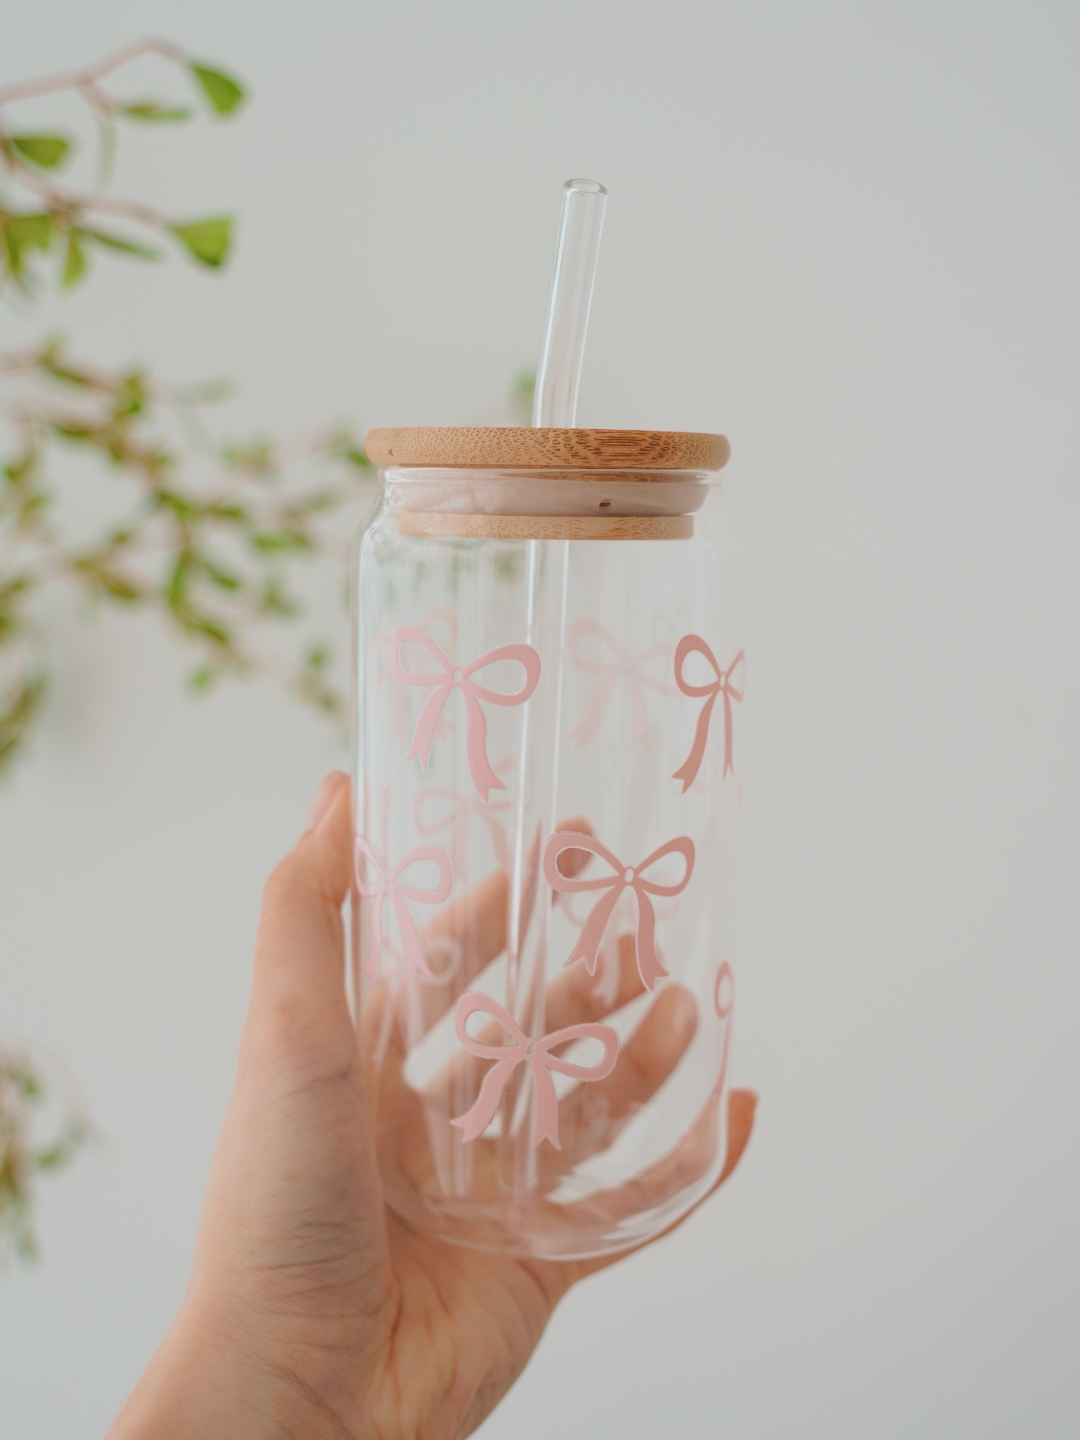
(559, 376)
(558, 380)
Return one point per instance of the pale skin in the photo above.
(313, 1310)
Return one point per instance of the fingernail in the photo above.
(324, 798)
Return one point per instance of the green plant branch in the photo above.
(88, 77)
(24, 156)
(208, 538)
(23, 1091)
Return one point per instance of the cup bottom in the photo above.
(537, 1226)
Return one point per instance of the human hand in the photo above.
(313, 1310)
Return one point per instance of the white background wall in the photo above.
(847, 235)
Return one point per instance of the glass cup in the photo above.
(549, 676)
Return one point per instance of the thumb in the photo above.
(299, 979)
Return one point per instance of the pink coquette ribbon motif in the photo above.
(524, 1050)
(383, 644)
(388, 884)
(722, 685)
(625, 877)
(450, 677)
(608, 674)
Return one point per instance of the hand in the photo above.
(314, 1311)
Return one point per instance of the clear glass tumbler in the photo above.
(548, 679)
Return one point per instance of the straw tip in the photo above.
(585, 187)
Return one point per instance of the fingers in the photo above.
(576, 997)
(690, 1159)
(741, 1107)
(300, 952)
(572, 862)
(474, 927)
(592, 1115)
(572, 998)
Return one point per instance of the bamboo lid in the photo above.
(516, 448)
(456, 526)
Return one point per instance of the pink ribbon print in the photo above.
(388, 884)
(383, 645)
(534, 1053)
(625, 877)
(722, 685)
(608, 674)
(452, 676)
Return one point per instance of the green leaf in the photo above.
(256, 456)
(355, 455)
(203, 677)
(74, 261)
(21, 233)
(275, 601)
(63, 1149)
(45, 151)
(212, 629)
(153, 112)
(229, 511)
(117, 586)
(174, 590)
(277, 542)
(207, 240)
(178, 504)
(27, 1083)
(223, 92)
(18, 710)
(118, 243)
(30, 230)
(222, 578)
(69, 430)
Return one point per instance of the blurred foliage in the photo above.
(521, 397)
(204, 535)
(43, 216)
(22, 1094)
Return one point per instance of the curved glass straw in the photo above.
(554, 404)
(559, 376)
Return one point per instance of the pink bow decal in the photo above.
(382, 646)
(622, 666)
(483, 776)
(721, 686)
(537, 1055)
(387, 883)
(625, 877)
(724, 1000)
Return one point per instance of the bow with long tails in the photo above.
(722, 685)
(724, 1000)
(451, 676)
(625, 877)
(537, 1055)
(608, 674)
(383, 646)
(388, 883)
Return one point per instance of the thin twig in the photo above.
(88, 78)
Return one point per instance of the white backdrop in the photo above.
(848, 236)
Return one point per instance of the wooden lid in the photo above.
(515, 448)
(544, 527)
